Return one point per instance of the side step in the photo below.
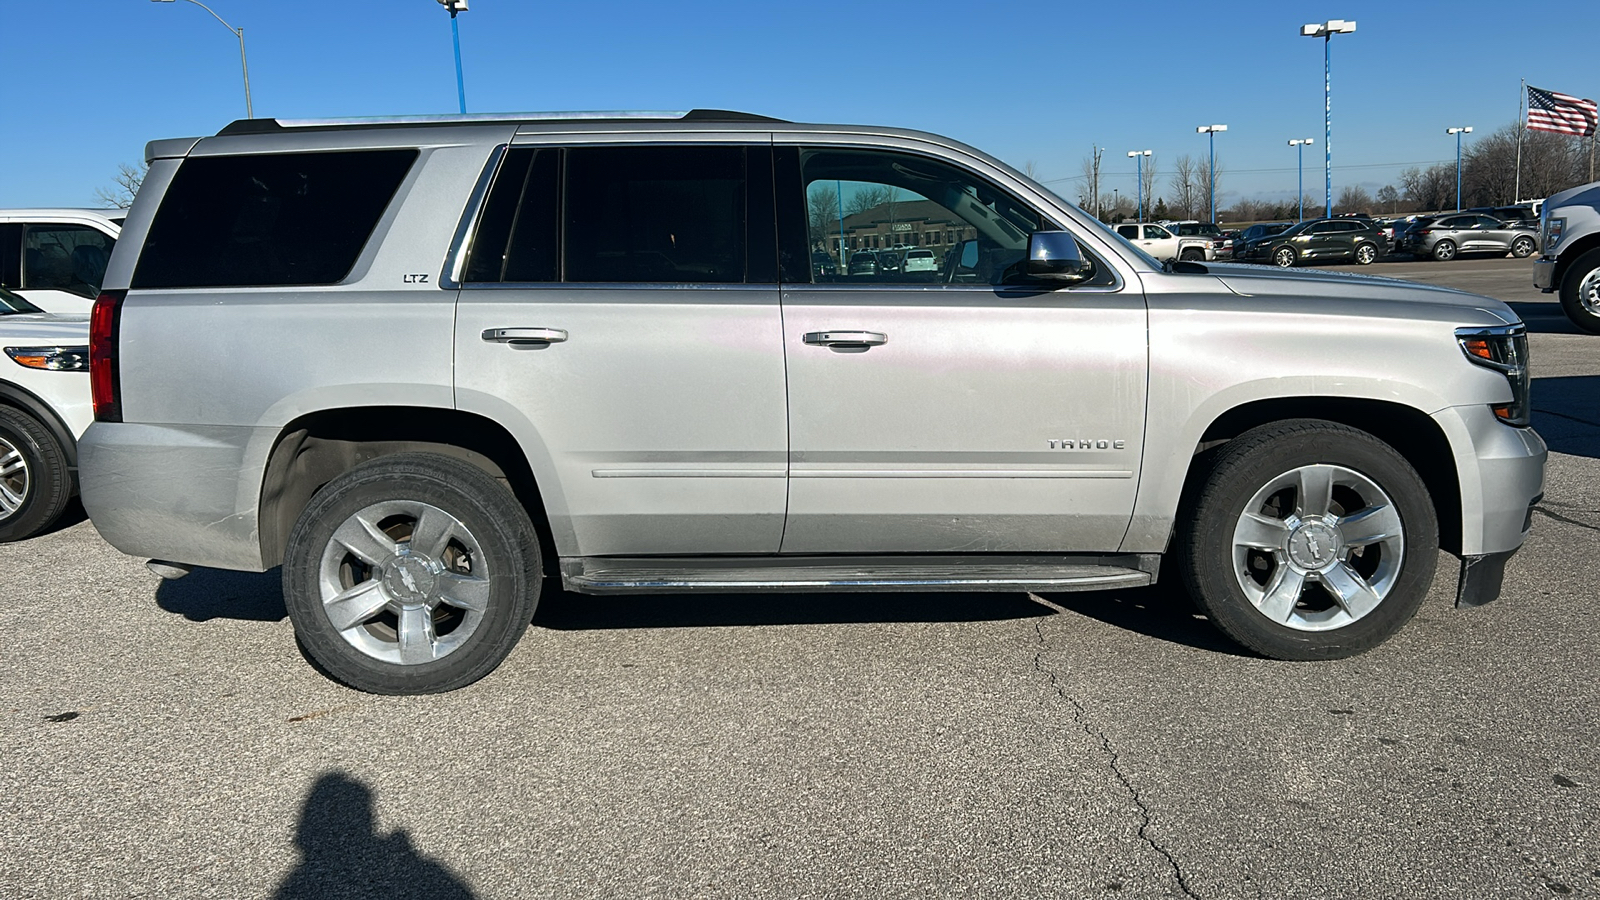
(660, 575)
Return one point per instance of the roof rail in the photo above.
(268, 126)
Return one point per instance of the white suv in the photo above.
(56, 258)
(44, 409)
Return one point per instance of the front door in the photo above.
(632, 343)
(943, 412)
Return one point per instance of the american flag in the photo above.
(1550, 111)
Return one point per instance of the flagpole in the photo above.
(1522, 97)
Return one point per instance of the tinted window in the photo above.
(1457, 222)
(13, 303)
(517, 237)
(10, 255)
(278, 219)
(68, 258)
(655, 214)
(1131, 232)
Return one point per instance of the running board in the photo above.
(660, 575)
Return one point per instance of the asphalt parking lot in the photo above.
(166, 739)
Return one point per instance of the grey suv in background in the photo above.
(1317, 240)
(423, 366)
(1448, 236)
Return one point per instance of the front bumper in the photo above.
(1500, 470)
(1544, 274)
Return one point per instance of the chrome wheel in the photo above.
(1444, 250)
(14, 479)
(1318, 547)
(1522, 248)
(1284, 258)
(1366, 254)
(1589, 292)
(404, 582)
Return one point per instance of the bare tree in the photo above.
(868, 197)
(1429, 189)
(1353, 198)
(1031, 169)
(1149, 178)
(1205, 191)
(822, 213)
(127, 184)
(1389, 199)
(1185, 188)
(1089, 190)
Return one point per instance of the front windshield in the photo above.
(11, 303)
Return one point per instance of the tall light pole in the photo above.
(1458, 132)
(1326, 31)
(1300, 166)
(457, 6)
(1211, 131)
(1139, 156)
(249, 111)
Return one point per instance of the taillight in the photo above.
(1424, 231)
(105, 382)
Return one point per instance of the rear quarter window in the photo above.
(268, 219)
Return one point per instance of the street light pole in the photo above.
(1458, 132)
(1138, 156)
(1212, 130)
(249, 110)
(1300, 167)
(457, 6)
(1326, 31)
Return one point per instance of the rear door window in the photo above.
(269, 219)
(69, 258)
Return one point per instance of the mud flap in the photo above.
(1480, 578)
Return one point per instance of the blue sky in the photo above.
(90, 81)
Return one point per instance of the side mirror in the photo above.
(1053, 256)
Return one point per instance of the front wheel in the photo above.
(1309, 540)
(411, 574)
(1284, 257)
(1580, 292)
(1523, 247)
(35, 482)
(1444, 251)
(1192, 256)
(1366, 255)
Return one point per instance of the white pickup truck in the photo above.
(1569, 232)
(1163, 244)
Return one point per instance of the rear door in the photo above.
(949, 413)
(619, 314)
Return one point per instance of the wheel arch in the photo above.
(1570, 254)
(1411, 432)
(313, 449)
(28, 402)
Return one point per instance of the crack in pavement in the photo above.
(1546, 412)
(1560, 518)
(1081, 716)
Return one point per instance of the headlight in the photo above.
(1503, 348)
(1552, 233)
(55, 359)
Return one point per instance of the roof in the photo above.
(267, 126)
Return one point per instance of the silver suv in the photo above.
(1448, 236)
(424, 365)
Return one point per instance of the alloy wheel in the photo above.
(1589, 292)
(1318, 547)
(1284, 258)
(15, 479)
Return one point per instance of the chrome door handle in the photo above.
(846, 338)
(524, 335)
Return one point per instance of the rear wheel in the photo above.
(1366, 254)
(411, 574)
(1285, 257)
(35, 481)
(1523, 247)
(1309, 540)
(1444, 251)
(1580, 292)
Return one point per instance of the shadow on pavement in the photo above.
(69, 517)
(1566, 413)
(1544, 318)
(564, 611)
(207, 594)
(1162, 611)
(343, 856)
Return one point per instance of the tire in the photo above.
(1297, 584)
(1444, 251)
(1523, 247)
(1285, 257)
(35, 481)
(1580, 292)
(1366, 254)
(1192, 256)
(411, 621)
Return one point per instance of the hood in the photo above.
(1310, 286)
(1583, 194)
(41, 329)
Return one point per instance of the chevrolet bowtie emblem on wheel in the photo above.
(1087, 445)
